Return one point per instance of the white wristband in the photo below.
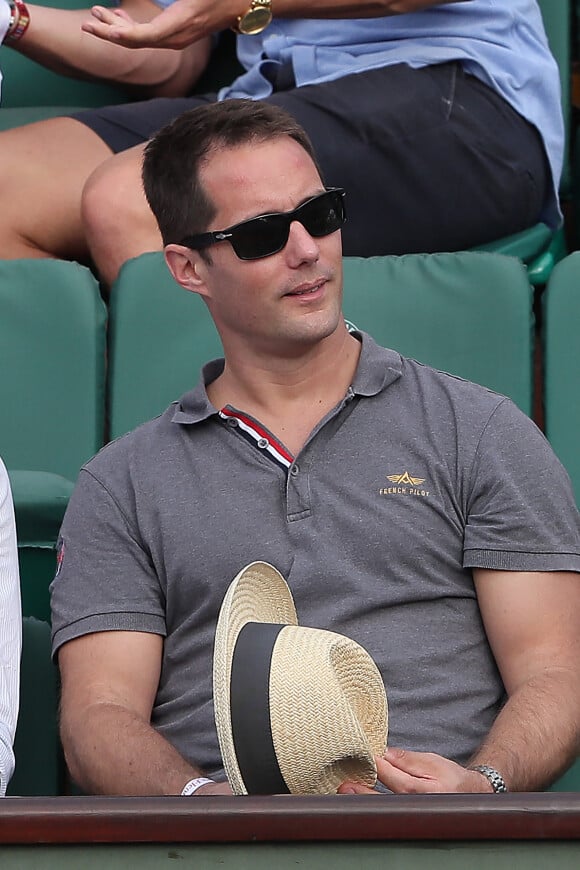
(192, 786)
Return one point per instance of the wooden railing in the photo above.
(291, 819)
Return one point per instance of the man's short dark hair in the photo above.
(175, 155)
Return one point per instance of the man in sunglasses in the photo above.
(277, 454)
(442, 119)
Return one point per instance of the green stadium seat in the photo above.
(468, 313)
(561, 317)
(40, 500)
(562, 364)
(39, 761)
(52, 323)
(159, 337)
(570, 781)
(52, 362)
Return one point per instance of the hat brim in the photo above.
(259, 593)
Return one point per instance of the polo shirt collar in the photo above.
(195, 406)
(378, 367)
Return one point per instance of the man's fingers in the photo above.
(107, 23)
(421, 764)
(122, 32)
(176, 27)
(403, 777)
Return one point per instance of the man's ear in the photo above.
(187, 268)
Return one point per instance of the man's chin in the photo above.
(311, 332)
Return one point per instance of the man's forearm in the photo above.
(348, 9)
(110, 750)
(537, 734)
(55, 39)
(185, 21)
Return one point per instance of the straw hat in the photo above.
(298, 710)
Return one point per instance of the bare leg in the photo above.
(117, 220)
(43, 169)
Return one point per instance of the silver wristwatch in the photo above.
(496, 779)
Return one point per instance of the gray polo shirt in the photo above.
(412, 480)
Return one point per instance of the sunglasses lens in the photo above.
(323, 215)
(260, 237)
(264, 236)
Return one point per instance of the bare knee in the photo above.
(43, 168)
(117, 221)
(111, 196)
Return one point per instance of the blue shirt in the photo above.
(502, 42)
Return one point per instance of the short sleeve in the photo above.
(10, 631)
(521, 513)
(105, 580)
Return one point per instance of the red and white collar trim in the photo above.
(259, 436)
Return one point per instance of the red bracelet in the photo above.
(21, 20)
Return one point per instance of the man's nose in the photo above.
(301, 246)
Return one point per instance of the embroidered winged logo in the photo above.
(405, 478)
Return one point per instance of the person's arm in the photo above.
(532, 620)
(109, 681)
(55, 39)
(10, 632)
(187, 20)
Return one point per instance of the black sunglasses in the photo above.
(267, 234)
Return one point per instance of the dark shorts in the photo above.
(432, 159)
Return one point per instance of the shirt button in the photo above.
(232, 422)
(294, 470)
(262, 443)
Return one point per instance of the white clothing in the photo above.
(4, 22)
(10, 631)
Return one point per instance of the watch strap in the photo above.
(493, 776)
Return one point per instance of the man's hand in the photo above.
(178, 26)
(186, 21)
(405, 772)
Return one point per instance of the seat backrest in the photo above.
(40, 500)
(159, 337)
(39, 762)
(569, 781)
(467, 313)
(52, 361)
(562, 364)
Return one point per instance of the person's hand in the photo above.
(181, 24)
(405, 772)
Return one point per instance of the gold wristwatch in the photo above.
(256, 19)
